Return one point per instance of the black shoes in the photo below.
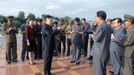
(8, 62)
(47, 73)
(14, 61)
(77, 63)
(22, 59)
(72, 61)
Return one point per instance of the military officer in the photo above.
(69, 36)
(129, 46)
(63, 35)
(10, 31)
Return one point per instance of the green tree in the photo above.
(21, 17)
(66, 19)
(2, 19)
(17, 22)
(31, 16)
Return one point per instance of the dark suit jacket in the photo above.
(48, 40)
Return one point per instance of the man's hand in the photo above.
(58, 28)
(10, 29)
(112, 36)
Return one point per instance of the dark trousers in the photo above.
(24, 49)
(11, 51)
(39, 47)
(48, 56)
(68, 47)
(57, 46)
(85, 44)
(63, 41)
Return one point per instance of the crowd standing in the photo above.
(103, 41)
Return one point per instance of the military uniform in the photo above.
(63, 38)
(11, 42)
(129, 49)
(68, 36)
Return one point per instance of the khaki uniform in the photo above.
(11, 42)
(68, 36)
(129, 51)
(63, 38)
(129, 48)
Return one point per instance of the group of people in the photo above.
(104, 40)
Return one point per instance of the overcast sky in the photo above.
(73, 8)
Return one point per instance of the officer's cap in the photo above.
(130, 17)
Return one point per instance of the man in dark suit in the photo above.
(39, 38)
(57, 39)
(48, 43)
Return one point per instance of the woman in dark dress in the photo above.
(31, 40)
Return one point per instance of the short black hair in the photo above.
(77, 19)
(48, 16)
(102, 14)
(30, 19)
(55, 22)
(35, 19)
(118, 19)
(83, 19)
(10, 17)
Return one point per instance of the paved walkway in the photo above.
(60, 66)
